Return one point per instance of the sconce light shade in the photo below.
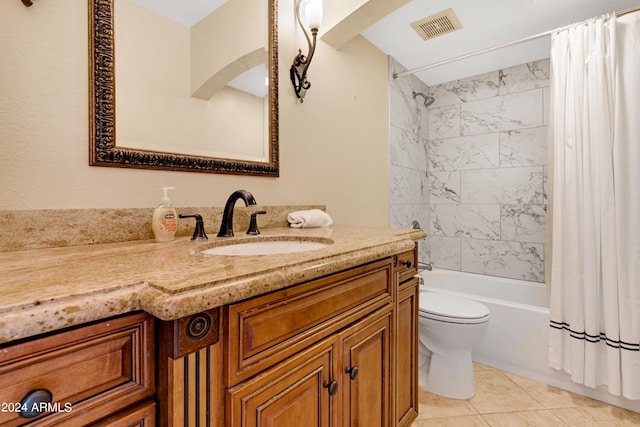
(312, 10)
(313, 13)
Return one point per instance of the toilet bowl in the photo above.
(448, 328)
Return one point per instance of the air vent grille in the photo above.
(437, 25)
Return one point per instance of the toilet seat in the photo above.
(448, 308)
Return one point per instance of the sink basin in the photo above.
(267, 247)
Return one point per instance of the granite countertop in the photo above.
(49, 289)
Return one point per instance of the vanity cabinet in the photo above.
(316, 354)
(81, 376)
(312, 354)
(334, 351)
(339, 350)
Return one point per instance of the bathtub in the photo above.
(516, 338)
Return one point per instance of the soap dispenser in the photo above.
(165, 219)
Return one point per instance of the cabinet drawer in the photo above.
(274, 326)
(407, 265)
(89, 372)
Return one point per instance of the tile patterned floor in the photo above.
(506, 400)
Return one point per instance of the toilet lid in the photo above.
(451, 306)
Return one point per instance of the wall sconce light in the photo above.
(312, 11)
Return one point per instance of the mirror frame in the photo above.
(103, 150)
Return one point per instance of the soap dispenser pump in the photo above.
(165, 219)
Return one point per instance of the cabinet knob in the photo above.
(332, 386)
(353, 372)
(407, 263)
(30, 406)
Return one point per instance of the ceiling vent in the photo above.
(437, 25)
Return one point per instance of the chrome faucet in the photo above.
(226, 228)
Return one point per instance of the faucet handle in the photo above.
(198, 233)
(253, 223)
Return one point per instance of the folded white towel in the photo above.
(309, 218)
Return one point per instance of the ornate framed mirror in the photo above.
(142, 106)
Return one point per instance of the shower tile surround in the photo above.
(484, 142)
(408, 135)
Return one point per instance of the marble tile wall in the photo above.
(486, 167)
(408, 136)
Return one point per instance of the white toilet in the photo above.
(448, 327)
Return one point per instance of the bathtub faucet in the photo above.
(424, 266)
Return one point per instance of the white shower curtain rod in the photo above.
(489, 49)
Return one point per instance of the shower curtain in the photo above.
(594, 133)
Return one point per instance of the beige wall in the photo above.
(334, 147)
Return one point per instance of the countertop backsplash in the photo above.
(39, 229)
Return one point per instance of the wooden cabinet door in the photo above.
(142, 415)
(294, 393)
(406, 334)
(366, 376)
